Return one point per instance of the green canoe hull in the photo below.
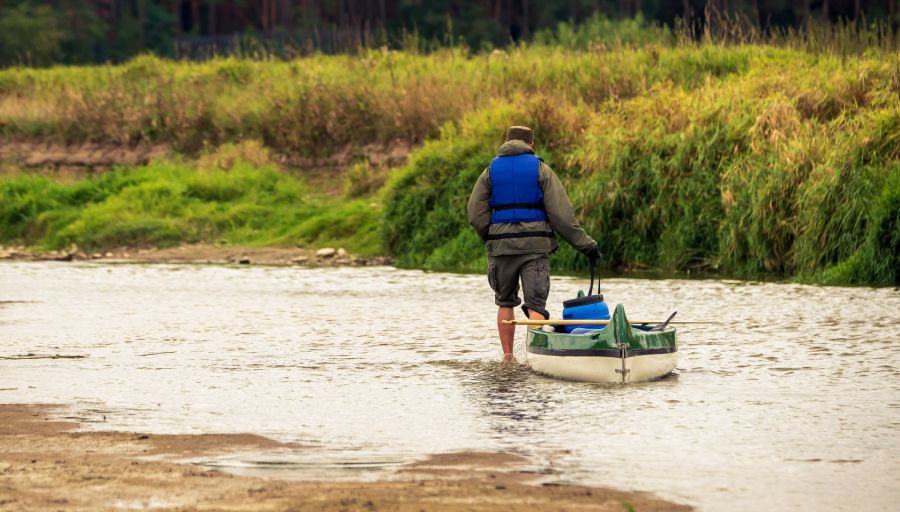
(616, 353)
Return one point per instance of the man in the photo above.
(517, 207)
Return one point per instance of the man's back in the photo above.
(531, 236)
(517, 207)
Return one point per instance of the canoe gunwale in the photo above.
(601, 352)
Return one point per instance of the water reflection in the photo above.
(509, 398)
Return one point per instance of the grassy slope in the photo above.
(743, 159)
(746, 160)
(167, 203)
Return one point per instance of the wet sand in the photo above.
(45, 465)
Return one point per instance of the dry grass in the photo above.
(724, 156)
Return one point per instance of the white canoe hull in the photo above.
(637, 368)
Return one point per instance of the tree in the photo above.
(29, 34)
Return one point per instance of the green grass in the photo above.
(317, 105)
(167, 203)
(751, 167)
(741, 159)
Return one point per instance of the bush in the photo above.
(740, 159)
(747, 171)
(166, 203)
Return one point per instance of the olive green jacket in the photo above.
(560, 215)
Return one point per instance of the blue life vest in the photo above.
(516, 194)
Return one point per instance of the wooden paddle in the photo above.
(592, 322)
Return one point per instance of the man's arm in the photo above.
(560, 212)
(479, 206)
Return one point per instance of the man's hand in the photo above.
(594, 254)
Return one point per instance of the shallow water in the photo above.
(792, 401)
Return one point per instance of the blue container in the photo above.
(585, 308)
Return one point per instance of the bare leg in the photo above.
(534, 315)
(507, 332)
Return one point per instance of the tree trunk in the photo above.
(264, 15)
(195, 16)
(287, 14)
(175, 7)
(342, 15)
(526, 30)
(273, 14)
(351, 12)
(142, 18)
(211, 17)
(856, 10)
(802, 11)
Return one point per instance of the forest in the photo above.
(46, 32)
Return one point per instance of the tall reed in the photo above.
(777, 163)
(718, 156)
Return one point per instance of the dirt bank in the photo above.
(202, 253)
(85, 158)
(45, 466)
(77, 158)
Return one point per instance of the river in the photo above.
(790, 400)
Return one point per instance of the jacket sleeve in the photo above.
(479, 206)
(560, 212)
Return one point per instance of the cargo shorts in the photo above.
(505, 272)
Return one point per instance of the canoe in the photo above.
(616, 353)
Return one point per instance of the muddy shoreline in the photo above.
(47, 465)
(202, 254)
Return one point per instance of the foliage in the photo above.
(600, 31)
(318, 105)
(746, 168)
(740, 159)
(29, 34)
(79, 31)
(167, 202)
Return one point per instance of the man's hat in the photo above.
(523, 133)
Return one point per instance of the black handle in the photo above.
(593, 263)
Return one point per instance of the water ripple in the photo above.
(788, 397)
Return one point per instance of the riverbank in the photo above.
(47, 466)
(201, 254)
(696, 158)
